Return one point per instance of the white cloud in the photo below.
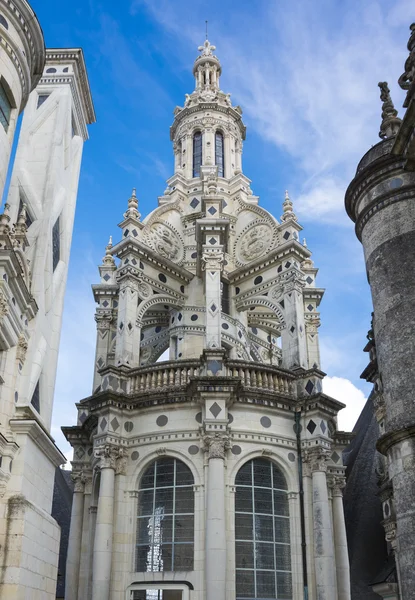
(345, 391)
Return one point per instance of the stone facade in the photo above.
(35, 237)
(380, 200)
(231, 293)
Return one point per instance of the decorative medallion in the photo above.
(254, 242)
(166, 241)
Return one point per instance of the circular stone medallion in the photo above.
(166, 242)
(162, 420)
(254, 243)
(265, 422)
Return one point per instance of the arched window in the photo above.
(262, 532)
(197, 153)
(219, 155)
(165, 518)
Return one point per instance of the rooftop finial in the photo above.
(390, 120)
(206, 30)
(288, 209)
(132, 210)
(108, 258)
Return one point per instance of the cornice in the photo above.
(201, 107)
(40, 437)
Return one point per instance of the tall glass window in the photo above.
(5, 107)
(165, 527)
(219, 155)
(56, 244)
(262, 532)
(197, 153)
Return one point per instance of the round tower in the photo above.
(381, 201)
(21, 65)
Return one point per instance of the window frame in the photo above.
(255, 540)
(196, 154)
(173, 514)
(6, 95)
(220, 159)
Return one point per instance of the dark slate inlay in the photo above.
(335, 457)
(194, 203)
(215, 409)
(258, 280)
(162, 420)
(213, 307)
(162, 278)
(115, 424)
(103, 423)
(310, 307)
(182, 289)
(179, 317)
(135, 233)
(198, 417)
(279, 269)
(309, 280)
(286, 235)
(83, 417)
(236, 450)
(309, 387)
(212, 241)
(254, 330)
(106, 277)
(237, 290)
(225, 326)
(282, 304)
(287, 264)
(126, 232)
(128, 426)
(193, 449)
(212, 210)
(292, 328)
(134, 261)
(230, 418)
(291, 456)
(311, 426)
(194, 317)
(323, 426)
(100, 362)
(239, 335)
(193, 255)
(265, 422)
(158, 329)
(105, 303)
(141, 266)
(134, 455)
(214, 366)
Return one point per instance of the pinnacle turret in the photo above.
(132, 210)
(288, 209)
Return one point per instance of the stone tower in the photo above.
(180, 465)
(380, 200)
(35, 237)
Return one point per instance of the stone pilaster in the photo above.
(294, 334)
(323, 534)
(85, 555)
(75, 538)
(340, 539)
(216, 446)
(128, 333)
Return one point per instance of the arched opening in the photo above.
(262, 532)
(219, 154)
(165, 517)
(197, 153)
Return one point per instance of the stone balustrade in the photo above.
(178, 374)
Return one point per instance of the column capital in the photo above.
(112, 457)
(216, 445)
(79, 478)
(317, 458)
(336, 483)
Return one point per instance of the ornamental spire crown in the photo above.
(207, 68)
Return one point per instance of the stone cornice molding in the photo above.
(40, 437)
(390, 439)
(189, 111)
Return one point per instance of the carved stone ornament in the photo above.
(216, 445)
(254, 243)
(166, 242)
(144, 290)
(22, 346)
(4, 306)
(79, 480)
(112, 457)
(337, 484)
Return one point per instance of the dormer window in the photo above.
(197, 153)
(219, 154)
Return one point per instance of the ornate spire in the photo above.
(132, 210)
(20, 227)
(108, 258)
(288, 209)
(407, 79)
(5, 219)
(390, 120)
(207, 70)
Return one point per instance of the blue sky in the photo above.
(305, 73)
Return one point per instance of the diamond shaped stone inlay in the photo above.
(323, 426)
(212, 241)
(126, 232)
(80, 452)
(135, 234)
(134, 261)
(286, 235)
(310, 307)
(212, 210)
(292, 328)
(214, 366)
(213, 307)
(83, 417)
(311, 426)
(106, 277)
(335, 457)
(309, 280)
(215, 409)
(194, 203)
(103, 424)
(115, 424)
(309, 386)
(287, 264)
(105, 303)
(239, 335)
